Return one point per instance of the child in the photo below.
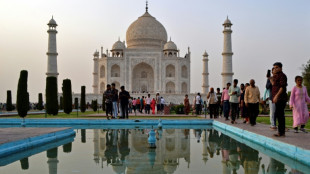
(298, 103)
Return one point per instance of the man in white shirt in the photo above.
(198, 103)
(148, 104)
(162, 104)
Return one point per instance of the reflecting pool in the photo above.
(127, 151)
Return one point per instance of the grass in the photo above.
(288, 121)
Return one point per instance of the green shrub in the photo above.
(67, 96)
(40, 102)
(9, 106)
(83, 100)
(179, 109)
(51, 93)
(22, 102)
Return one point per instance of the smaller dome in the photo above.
(205, 54)
(227, 22)
(118, 45)
(52, 22)
(96, 53)
(170, 46)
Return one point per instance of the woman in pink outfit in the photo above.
(298, 103)
(153, 104)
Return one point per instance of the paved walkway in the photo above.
(300, 139)
(14, 134)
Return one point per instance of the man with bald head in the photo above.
(251, 99)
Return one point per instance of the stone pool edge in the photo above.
(36, 141)
(285, 149)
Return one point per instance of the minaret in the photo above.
(52, 49)
(205, 73)
(227, 71)
(95, 73)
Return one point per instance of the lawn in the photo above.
(288, 121)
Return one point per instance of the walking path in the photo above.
(300, 139)
(14, 134)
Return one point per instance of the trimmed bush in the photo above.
(76, 103)
(9, 106)
(51, 93)
(52, 153)
(22, 102)
(40, 102)
(83, 135)
(67, 148)
(24, 163)
(67, 96)
(83, 100)
(94, 105)
(61, 103)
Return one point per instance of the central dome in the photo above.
(146, 32)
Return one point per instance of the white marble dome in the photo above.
(146, 31)
(170, 46)
(118, 45)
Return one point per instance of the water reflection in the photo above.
(128, 149)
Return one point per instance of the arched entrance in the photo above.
(143, 78)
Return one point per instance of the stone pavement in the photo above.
(300, 139)
(14, 134)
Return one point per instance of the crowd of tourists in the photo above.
(244, 100)
(121, 102)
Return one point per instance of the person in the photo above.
(153, 105)
(243, 108)
(130, 105)
(298, 103)
(148, 101)
(251, 99)
(279, 96)
(162, 104)
(186, 105)
(234, 93)
(212, 100)
(197, 103)
(138, 104)
(114, 100)
(225, 101)
(268, 96)
(108, 101)
(158, 103)
(123, 98)
(219, 107)
(141, 104)
(134, 104)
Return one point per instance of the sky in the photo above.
(264, 32)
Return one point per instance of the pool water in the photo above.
(127, 151)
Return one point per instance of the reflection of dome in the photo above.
(170, 46)
(119, 168)
(146, 31)
(170, 167)
(118, 45)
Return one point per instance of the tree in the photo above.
(61, 101)
(94, 105)
(76, 103)
(9, 106)
(51, 93)
(83, 101)
(67, 148)
(22, 102)
(67, 96)
(40, 102)
(24, 163)
(306, 75)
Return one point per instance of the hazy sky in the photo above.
(264, 32)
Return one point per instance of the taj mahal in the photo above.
(147, 62)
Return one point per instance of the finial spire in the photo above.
(118, 38)
(170, 38)
(146, 8)
(52, 16)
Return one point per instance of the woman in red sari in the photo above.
(153, 104)
(186, 105)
